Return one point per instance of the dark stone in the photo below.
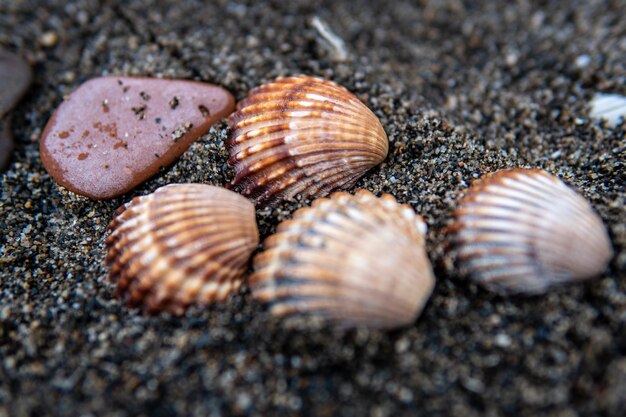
(15, 77)
(6, 142)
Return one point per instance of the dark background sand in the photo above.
(462, 88)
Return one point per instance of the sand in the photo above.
(462, 89)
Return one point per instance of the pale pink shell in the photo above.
(524, 231)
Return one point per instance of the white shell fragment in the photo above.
(302, 136)
(183, 244)
(611, 107)
(333, 43)
(524, 231)
(349, 259)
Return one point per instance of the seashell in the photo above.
(302, 136)
(352, 260)
(183, 244)
(524, 231)
(610, 107)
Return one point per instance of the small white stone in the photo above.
(49, 39)
(503, 340)
(511, 59)
(582, 61)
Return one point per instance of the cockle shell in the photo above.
(352, 260)
(183, 244)
(524, 231)
(302, 136)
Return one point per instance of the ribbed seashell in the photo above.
(610, 107)
(524, 231)
(183, 244)
(302, 136)
(352, 260)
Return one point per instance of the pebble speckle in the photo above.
(436, 74)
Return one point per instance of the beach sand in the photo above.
(462, 88)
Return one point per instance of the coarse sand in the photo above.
(462, 88)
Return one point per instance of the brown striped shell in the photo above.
(524, 231)
(349, 259)
(183, 244)
(302, 136)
